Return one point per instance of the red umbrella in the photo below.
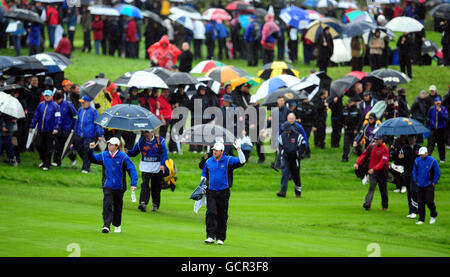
(357, 74)
(240, 6)
(216, 14)
(5, 6)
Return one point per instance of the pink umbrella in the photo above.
(216, 14)
(357, 74)
(313, 15)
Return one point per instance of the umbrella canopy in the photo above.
(313, 15)
(129, 118)
(347, 5)
(340, 86)
(60, 57)
(240, 6)
(251, 80)
(295, 16)
(205, 66)
(51, 62)
(129, 10)
(153, 16)
(326, 3)
(441, 11)
(31, 65)
(359, 16)
(184, 20)
(307, 87)
(404, 24)
(260, 14)
(226, 73)
(186, 11)
(275, 83)
(7, 62)
(216, 14)
(24, 15)
(211, 84)
(181, 78)
(103, 10)
(391, 77)
(288, 94)
(357, 28)
(341, 51)
(401, 126)
(161, 72)
(93, 87)
(316, 27)
(377, 82)
(198, 193)
(11, 106)
(207, 134)
(357, 74)
(140, 79)
(4, 5)
(277, 68)
(429, 46)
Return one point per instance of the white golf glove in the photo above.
(237, 143)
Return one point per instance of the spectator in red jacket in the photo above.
(112, 88)
(97, 27)
(64, 46)
(131, 39)
(398, 11)
(378, 169)
(166, 111)
(52, 21)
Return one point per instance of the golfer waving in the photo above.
(218, 171)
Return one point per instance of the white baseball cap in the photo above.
(423, 150)
(218, 146)
(432, 87)
(114, 140)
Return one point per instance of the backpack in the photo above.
(256, 31)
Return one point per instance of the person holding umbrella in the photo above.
(376, 45)
(437, 119)
(405, 46)
(47, 118)
(326, 47)
(218, 174)
(115, 165)
(153, 158)
(358, 52)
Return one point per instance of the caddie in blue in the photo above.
(47, 118)
(426, 174)
(115, 164)
(218, 171)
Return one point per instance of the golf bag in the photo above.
(169, 179)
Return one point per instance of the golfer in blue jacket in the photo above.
(115, 165)
(426, 174)
(218, 171)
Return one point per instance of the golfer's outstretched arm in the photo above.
(131, 171)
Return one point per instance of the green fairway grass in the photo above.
(42, 213)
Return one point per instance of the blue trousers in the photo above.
(82, 146)
(6, 145)
(51, 35)
(287, 167)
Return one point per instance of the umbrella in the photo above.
(24, 15)
(295, 16)
(212, 84)
(313, 15)
(67, 149)
(140, 79)
(316, 27)
(275, 83)
(429, 46)
(309, 87)
(205, 66)
(240, 6)
(216, 14)
(288, 94)
(404, 24)
(11, 106)
(326, 3)
(226, 73)
(93, 87)
(52, 63)
(186, 11)
(129, 10)
(251, 80)
(60, 57)
(320, 78)
(357, 74)
(347, 5)
(260, 14)
(207, 134)
(153, 16)
(391, 76)
(359, 16)
(181, 78)
(7, 62)
(442, 11)
(341, 51)
(161, 72)
(377, 82)
(183, 20)
(340, 86)
(277, 68)
(129, 118)
(401, 126)
(357, 28)
(31, 65)
(4, 5)
(103, 10)
(200, 191)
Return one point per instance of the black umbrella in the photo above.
(7, 62)
(442, 11)
(93, 87)
(207, 134)
(260, 14)
(181, 78)
(342, 85)
(12, 87)
(61, 57)
(31, 66)
(391, 77)
(129, 118)
(288, 94)
(377, 82)
(24, 15)
(162, 72)
(357, 28)
(429, 46)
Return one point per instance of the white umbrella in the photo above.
(404, 24)
(326, 3)
(11, 106)
(103, 10)
(275, 83)
(347, 5)
(141, 80)
(341, 51)
(187, 11)
(306, 85)
(184, 20)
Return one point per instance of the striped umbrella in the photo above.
(4, 5)
(205, 66)
(226, 73)
(313, 15)
(277, 68)
(251, 80)
(275, 83)
(359, 16)
(216, 14)
(52, 63)
(316, 27)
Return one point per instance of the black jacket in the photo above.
(419, 110)
(186, 59)
(352, 118)
(410, 155)
(307, 113)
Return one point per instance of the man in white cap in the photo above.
(218, 172)
(426, 174)
(432, 94)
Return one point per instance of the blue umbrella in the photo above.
(401, 126)
(244, 20)
(129, 118)
(295, 17)
(275, 83)
(357, 28)
(199, 191)
(130, 11)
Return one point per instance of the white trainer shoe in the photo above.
(403, 189)
(84, 171)
(412, 215)
(74, 163)
(419, 222)
(105, 230)
(41, 164)
(396, 190)
(209, 240)
(219, 242)
(54, 164)
(432, 220)
(117, 229)
(45, 168)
